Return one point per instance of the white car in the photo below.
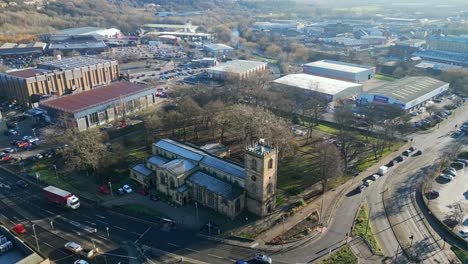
(374, 177)
(73, 247)
(38, 156)
(368, 182)
(463, 233)
(446, 176)
(127, 188)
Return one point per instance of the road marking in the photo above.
(100, 216)
(135, 233)
(122, 256)
(121, 228)
(254, 245)
(142, 235)
(91, 223)
(174, 245)
(102, 222)
(215, 256)
(103, 237)
(193, 250)
(47, 244)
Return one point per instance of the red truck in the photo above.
(61, 197)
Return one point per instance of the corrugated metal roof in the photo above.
(223, 165)
(179, 166)
(157, 160)
(78, 102)
(215, 185)
(141, 168)
(315, 83)
(73, 62)
(237, 66)
(339, 66)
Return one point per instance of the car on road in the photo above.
(73, 247)
(19, 229)
(127, 188)
(262, 258)
(154, 197)
(433, 194)
(368, 182)
(38, 156)
(9, 150)
(7, 158)
(80, 261)
(103, 189)
(21, 184)
(374, 177)
(463, 233)
(120, 191)
(446, 176)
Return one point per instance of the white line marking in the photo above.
(103, 237)
(100, 216)
(254, 245)
(49, 212)
(174, 245)
(102, 222)
(47, 244)
(138, 234)
(91, 223)
(215, 256)
(142, 235)
(121, 228)
(122, 256)
(193, 250)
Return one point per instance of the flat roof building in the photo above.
(85, 44)
(452, 44)
(100, 105)
(56, 78)
(105, 33)
(15, 49)
(310, 85)
(236, 69)
(340, 70)
(445, 57)
(18, 252)
(217, 49)
(408, 93)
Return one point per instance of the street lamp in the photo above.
(107, 229)
(110, 188)
(52, 224)
(196, 208)
(55, 169)
(34, 131)
(411, 237)
(35, 236)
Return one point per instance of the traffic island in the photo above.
(362, 227)
(299, 231)
(343, 255)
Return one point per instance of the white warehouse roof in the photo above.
(339, 66)
(315, 83)
(238, 66)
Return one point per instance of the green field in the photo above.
(343, 256)
(384, 77)
(363, 227)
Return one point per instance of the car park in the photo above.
(446, 176)
(464, 161)
(450, 172)
(73, 247)
(127, 188)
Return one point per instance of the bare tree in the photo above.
(346, 137)
(329, 163)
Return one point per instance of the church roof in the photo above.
(179, 166)
(215, 185)
(157, 160)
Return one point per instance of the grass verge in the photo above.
(363, 227)
(461, 254)
(384, 77)
(343, 255)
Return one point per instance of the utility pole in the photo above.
(411, 237)
(110, 188)
(196, 208)
(35, 236)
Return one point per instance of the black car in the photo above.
(417, 153)
(457, 165)
(433, 194)
(21, 184)
(399, 159)
(154, 197)
(405, 153)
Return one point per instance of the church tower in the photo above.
(261, 164)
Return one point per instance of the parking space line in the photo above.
(174, 245)
(47, 244)
(216, 256)
(193, 250)
(102, 222)
(121, 228)
(100, 216)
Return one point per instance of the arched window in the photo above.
(269, 188)
(270, 163)
(253, 164)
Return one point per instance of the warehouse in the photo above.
(300, 85)
(100, 105)
(409, 93)
(340, 70)
(236, 69)
(216, 49)
(56, 78)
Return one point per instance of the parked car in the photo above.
(457, 165)
(38, 156)
(433, 194)
(127, 188)
(446, 176)
(360, 188)
(464, 161)
(154, 197)
(7, 158)
(262, 258)
(9, 150)
(73, 247)
(374, 177)
(368, 182)
(450, 172)
(463, 233)
(103, 189)
(80, 261)
(19, 229)
(121, 191)
(417, 153)
(390, 164)
(406, 153)
(21, 184)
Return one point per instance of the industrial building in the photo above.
(444, 57)
(340, 70)
(452, 44)
(216, 49)
(84, 44)
(236, 69)
(100, 33)
(408, 93)
(305, 85)
(187, 174)
(15, 49)
(100, 105)
(56, 78)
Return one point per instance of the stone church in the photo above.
(189, 174)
